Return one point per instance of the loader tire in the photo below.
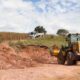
(70, 60)
(61, 58)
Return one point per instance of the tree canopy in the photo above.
(62, 32)
(40, 29)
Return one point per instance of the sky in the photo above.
(25, 15)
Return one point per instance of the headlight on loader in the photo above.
(56, 52)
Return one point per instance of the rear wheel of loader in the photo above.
(70, 60)
(61, 58)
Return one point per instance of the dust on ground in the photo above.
(44, 72)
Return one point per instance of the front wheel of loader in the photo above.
(70, 59)
(61, 58)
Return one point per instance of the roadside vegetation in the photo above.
(47, 40)
(22, 39)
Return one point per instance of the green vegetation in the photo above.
(62, 32)
(40, 29)
(48, 40)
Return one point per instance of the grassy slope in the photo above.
(47, 41)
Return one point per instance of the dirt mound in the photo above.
(9, 58)
(37, 53)
(28, 56)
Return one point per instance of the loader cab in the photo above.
(74, 37)
(74, 41)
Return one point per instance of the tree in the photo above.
(40, 29)
(62, 32)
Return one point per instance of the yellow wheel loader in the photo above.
(71, 53)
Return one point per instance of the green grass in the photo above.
(47, 41)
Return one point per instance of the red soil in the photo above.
(26, 57)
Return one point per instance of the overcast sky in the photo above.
(25, 15)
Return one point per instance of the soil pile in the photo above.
(37, 53)
(27, 56)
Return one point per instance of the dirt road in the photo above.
(43, 72)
